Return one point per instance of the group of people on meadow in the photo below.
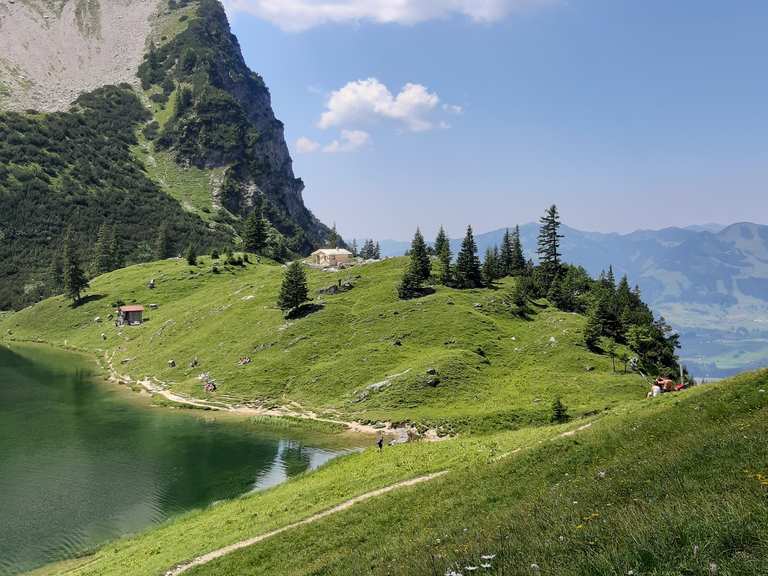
(661, 385)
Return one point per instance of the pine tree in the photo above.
(593, 329)
(191, 255)
(421, 265)
(518, 258)
(444, 257)
(441, 241)
(559, 412)
(73, 276)
(468, 274)
(255, 232)
(294, 290)
(377, 252)
(505, 255)
(354, 248)
(101, 263)
(162, 243)
(410, 285)
(490, 266)
(549, 244)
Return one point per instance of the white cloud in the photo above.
(350, 141)
(453, 109)
(297, 15)
(365, 100)
(305, 145)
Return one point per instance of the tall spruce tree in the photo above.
(255, 233)
(115, 250)
(441, 241)
(294, 290)
(421, 265)
(490, 268)
(56, 274)
(102, 258)
(377, 251)
(549, 244)
(73, 276)
(353, 248)
(518, 258)
(506, 266)
(468, 273)
(444, 257)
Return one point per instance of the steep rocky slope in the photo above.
(207, 138)
(52, 50)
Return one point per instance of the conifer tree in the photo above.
(410, 285)
(353, 248)
(368, 250)
(593, 329)
(549, 244)
(162, 243)
(377, 252)
(441, 241)
(468, 274)
(191, 255)
(73, 276)
(255, 232)
(102, 261)
(444, 257)
(490, 266)
(505, 255)
(421, 265)
(294, 290)
(559, 412)
(518, 265)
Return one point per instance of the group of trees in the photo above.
(370, 250)
(615, 311)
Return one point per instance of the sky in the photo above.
(626, 114)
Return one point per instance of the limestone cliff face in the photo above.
(53, 50)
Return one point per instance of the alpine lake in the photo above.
(83, 461)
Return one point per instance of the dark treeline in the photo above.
(75, 169)
(616, 313)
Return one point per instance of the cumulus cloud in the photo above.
(453, 109)
(366, 100)
(305, 145)
(297, 15)
(349, 141)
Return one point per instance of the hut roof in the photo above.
(132, 308)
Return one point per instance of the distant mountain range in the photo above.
(710, 281)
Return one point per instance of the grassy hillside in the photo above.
(455, 359)
(673, 486)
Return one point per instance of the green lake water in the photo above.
(82, 463)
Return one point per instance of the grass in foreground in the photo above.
(667, 487)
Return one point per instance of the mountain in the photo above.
(710, 282)
(141, 115)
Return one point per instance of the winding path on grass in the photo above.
(215, 554)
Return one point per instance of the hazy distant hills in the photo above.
(710, 281)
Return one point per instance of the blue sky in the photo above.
(626, 114)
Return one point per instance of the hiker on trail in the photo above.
(380, 443)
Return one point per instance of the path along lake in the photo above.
(83, 462)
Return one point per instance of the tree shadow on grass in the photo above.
(304, 310)
(86, 299)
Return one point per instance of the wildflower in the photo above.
(695, 550)
(535, 567)
(601, 474)
(712, 569)
(470, 568)
(488, 556)
(485, 565)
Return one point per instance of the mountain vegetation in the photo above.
(76, 169)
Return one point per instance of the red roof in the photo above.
(133, 308)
